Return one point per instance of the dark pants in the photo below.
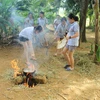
(23, 39)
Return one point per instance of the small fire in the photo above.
(14, 64)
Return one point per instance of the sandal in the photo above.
(67, 66)
(33, 58)
(69, 69)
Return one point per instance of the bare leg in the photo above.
(71, 59)
(31, 50)
(57, 51)
(46, 39)
(46, 42)
(66, 55)
(25, 50)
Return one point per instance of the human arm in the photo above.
(57, 31)
(38, 21)
(26, 21)
(74, 36)
(46, 20)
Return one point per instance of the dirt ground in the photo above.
(81, 84)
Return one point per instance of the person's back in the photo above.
(27, 32)
(26, 37)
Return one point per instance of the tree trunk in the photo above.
(90, 21)
(96, 11)
(83, 13)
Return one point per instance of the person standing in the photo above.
(42, 21)
(57, 22)
(29, 21)
(73, 42)
(26, 37)
(60, 32)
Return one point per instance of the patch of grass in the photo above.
(85, 64)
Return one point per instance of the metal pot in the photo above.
(28, 71)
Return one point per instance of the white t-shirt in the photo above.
(27, 33)
(73, 29)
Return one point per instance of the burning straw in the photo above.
(14, 64)
(27, 76)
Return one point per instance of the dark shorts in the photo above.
(23, 39)
(71, 48)
(66, 34)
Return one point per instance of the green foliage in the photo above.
(3, 24)
(72, 6)
(98, 54)
(50, 7)
(5, 15)
(6, 28)
(5, 8)
(23, 5)
(91, 49)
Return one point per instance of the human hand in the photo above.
(67, 38)
(55, 37)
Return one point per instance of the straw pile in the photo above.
(85, 63)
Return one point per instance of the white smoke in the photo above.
(16, 18)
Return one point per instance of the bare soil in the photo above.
(81, 84)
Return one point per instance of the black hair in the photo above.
(71, 16)
(63, 19)
(42, 12)
(76, 18)
(38, 28)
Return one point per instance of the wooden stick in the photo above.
(63, 97)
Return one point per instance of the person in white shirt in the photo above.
(72, 42)
(26, 36)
